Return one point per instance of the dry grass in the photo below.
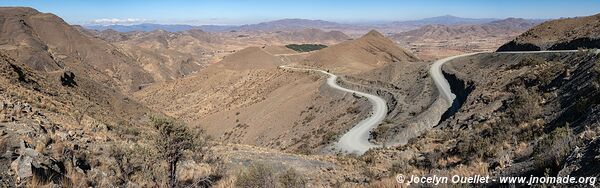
(387, 183)
(74, 179)
(226, 182)
(4, 144)
(38, 182)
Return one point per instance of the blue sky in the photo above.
(246, 12)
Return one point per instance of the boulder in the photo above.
(22, 167)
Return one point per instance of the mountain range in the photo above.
(509, 26)
(296, 24)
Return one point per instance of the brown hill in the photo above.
(370, 51)
(278, 50)
(250, 58)
(46, 43)
(112, 35)
(167, 55)
(561, 34)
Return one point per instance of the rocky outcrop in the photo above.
(514, 46)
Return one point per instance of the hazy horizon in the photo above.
(237, 12)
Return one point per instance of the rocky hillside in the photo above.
(63, 129)
(523, 114)
(561, 34)
(44, 42)
(368, 52)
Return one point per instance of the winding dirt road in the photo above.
(356, 140)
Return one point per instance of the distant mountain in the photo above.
(217, 28)
(294, 25)
(290, 24)
(146, 27)
(277, 25)
(446, 20)
(561, 34)
(505, 27)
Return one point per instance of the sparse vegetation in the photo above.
(525, 105)
(137, 161)
(290, 178)
(529, 61)
(258, 175)
(173, 139)
(551, 150)
(328, 137)
(305, 47)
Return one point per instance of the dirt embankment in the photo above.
(551, 98)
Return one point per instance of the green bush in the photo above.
(173, 139)
(305, 47)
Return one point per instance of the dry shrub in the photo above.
(526, 105)
(290, 178)
(552, 149)
(258, 175)
(74, 179)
